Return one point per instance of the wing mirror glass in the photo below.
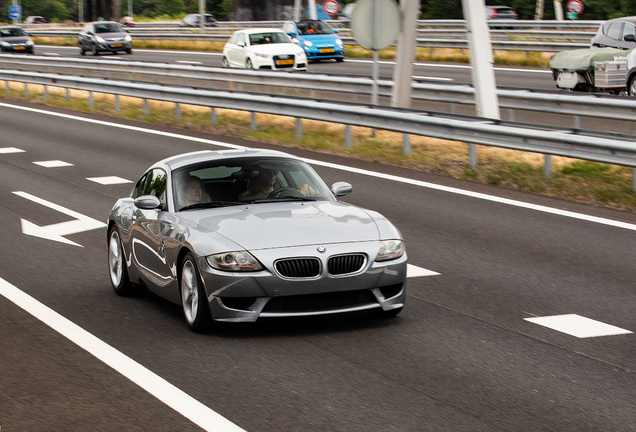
(630, 38)
(241, 44)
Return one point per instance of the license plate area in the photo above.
(326, 50)
(284, 62)
(116, 45)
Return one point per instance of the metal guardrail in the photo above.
(577, 105)
(601, 147)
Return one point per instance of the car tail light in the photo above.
(493, 13)
(514, 14)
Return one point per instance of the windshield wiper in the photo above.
(211, 204)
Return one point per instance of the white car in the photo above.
(263, 48)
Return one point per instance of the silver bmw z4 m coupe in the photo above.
(240, 235)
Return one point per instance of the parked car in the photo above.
(194, 20)
(317, 38)
(616, 33)
(263, 48)
(35, 20)
(197, 231)
(104, 36)
(15, 39)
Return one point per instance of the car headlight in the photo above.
(234, 261)
(390, 249)
(5, 44)
(128, 38)
(99, 39)
(261, 55)
(339, 42)
(29, 42)
(308, 43)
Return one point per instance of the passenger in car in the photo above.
(193, 192)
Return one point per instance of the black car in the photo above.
(616, 33)
(104, 36)
(14, 39)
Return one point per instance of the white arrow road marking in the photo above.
(414, 271)
(57, 231)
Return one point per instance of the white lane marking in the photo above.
(55, 232)
(158, 387)
(433, 78)
(536, 207)
(189, 62)
(576, 325)
(109, 180)
(49, 54)
(7, 150)
(53, 164)
(414, 271)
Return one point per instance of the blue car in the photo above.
(317, 38)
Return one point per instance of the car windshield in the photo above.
(268, 38)
(246, 180)
(108, 28)
(8, 32)
(313, 27)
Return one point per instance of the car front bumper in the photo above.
(317, 53)
(17, 48)
(114, 46)
(246, 297)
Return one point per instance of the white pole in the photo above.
(481, 59)
(376, 42)
(298, 4)
(312, 10)
(202, 16)
(403, 73)
(130, 8)
(558, 10)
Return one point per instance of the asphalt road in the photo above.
(462, 356)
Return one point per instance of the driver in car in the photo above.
(263, 185)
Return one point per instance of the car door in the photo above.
(85, 37)
(146, 242)
(628, 37)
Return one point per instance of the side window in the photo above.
(615, 30)
(628, 29)
(240, 38)
(232, 40)
(156, 184)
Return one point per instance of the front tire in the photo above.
(631, 88)
(129, 51)
(117, 265)
(94, 50)
(248, 64)
(224, 62)
(81, 50)
(194, 302)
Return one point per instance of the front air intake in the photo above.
(298, 267)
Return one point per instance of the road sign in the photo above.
(15, 12)
(363, 23)
(332, 7)
(575, 6)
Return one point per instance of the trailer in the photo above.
(591, 70)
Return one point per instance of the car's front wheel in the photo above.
(248, 64)
(94, 50)
(224, 62)
(81, 49)
(117, 265)
(193, 299)
(129, 51)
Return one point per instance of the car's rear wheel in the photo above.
(193, 299)
(248, 64)
(94, 50)
(117, 265)
(129, 51)
(631, 88)
(339, 59)
(224, 62)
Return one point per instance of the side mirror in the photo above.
(241, 44)
(335, 31)
(341, 189)
(630, 38)
(147, 202)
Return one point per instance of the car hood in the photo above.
(113, 35)
(274, 225)
(278, 48)
(320, 39)
(15, 39)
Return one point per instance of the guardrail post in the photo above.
(511, 114)
(634, 179)
(213, 118)
(117, 105)
(46, 92)
(26, 89)
(299, 128)
(177, 111)
(7, 89)
(68, 94)
(453, 108)
(253, 124)
(146, 107)
(406, 144)
(91, 100)
(348, 137)
(472, 154)
(547, 165)
(577, 122)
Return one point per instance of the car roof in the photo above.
(186, 159)
(260, 30)
(11, 26)
(631, 19)
(103, 22)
